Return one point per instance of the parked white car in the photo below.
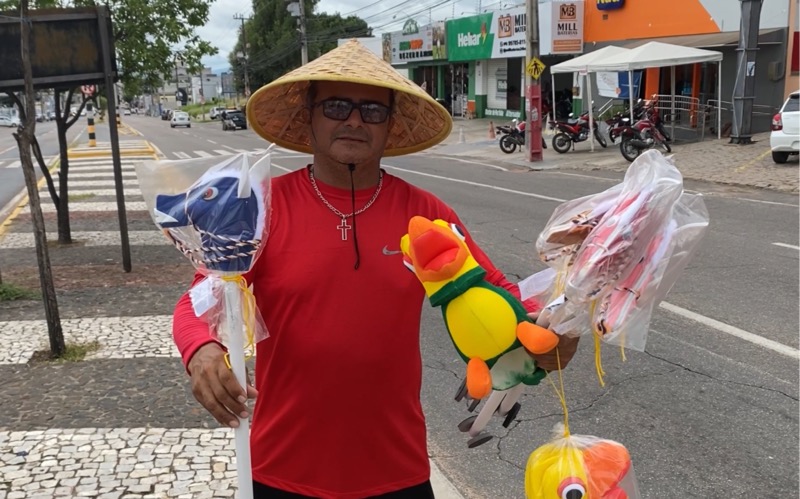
(785, 137)
(9, 121)
(180, 118)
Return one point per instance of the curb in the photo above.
(13, 208)
(103, 153)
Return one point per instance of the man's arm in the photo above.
(213, 382)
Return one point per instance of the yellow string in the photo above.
(562, 398)
(622, 352)
(248, 316)
(598, 359)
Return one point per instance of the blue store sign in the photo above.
(610, 4)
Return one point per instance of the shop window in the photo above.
(796, 53)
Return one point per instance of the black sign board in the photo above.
(66, 48)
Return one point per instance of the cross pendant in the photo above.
(344, 228)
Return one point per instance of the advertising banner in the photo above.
(415, 43)
(567, 27)
(502, 34)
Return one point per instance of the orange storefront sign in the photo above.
(647, 19)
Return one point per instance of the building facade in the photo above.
(477, 64)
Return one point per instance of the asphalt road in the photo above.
(11, 178)
(709, 410)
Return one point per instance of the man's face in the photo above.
(349, 140)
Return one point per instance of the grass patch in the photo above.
(11, 292)
(80, 197)
(74, 352)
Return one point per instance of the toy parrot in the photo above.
(486, 323)
(580, 467)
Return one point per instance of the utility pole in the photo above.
(298, 9)
(744, 91)
(533, 90)
(244, 54)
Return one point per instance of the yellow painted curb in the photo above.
(24, 201)
(107, 153)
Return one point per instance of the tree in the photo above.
(275, 41)
(145, 34)
(25, 138)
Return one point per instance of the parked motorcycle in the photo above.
(513, 136)
(642, 135)
(572, 131)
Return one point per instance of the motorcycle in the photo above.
(513, 136)
(642, 135)
(572, 131)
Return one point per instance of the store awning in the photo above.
(582, 63)
(655, 55)
(709, 40)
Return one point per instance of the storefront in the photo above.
(705, 24)
(493, 46)
(422, 52)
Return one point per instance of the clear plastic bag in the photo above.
(621, 239)
(216, 213)
(617, 272)
(580, 466)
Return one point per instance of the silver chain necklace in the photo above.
(344, 227)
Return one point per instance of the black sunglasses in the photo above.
(340, 109)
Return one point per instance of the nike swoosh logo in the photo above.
(388, 252)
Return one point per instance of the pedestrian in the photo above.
(338, 411)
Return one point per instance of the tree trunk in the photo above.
(25, 140)
(62, 199)
(62, 204)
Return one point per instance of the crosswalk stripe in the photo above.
(182, 155)
(109, 175)
(223, 152)
(204, 154)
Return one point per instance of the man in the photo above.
(338, 413)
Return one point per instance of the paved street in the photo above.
(710, 409)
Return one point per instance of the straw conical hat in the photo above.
(278, 111)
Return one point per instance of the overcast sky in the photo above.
(382, 16)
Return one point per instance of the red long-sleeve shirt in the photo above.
(338, 413)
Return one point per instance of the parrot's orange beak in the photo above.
(436, 252)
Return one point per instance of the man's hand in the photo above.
(216, 388)
(550, 361)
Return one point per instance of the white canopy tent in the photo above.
(657, 55)
(582, 65)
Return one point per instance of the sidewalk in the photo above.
(712, 160)
(122, 423)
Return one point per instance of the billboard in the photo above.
(65, 48)
(415, 43)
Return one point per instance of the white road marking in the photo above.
(767, 202)
(203, 154)
(182, 155)
(211, 141)
(733, 331)
(790, 246)
(223, 152)
(14, 164)
(479, 163)
(582, 176)
(477, 184)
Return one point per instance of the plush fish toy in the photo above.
(487, 324)
(226, 208)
